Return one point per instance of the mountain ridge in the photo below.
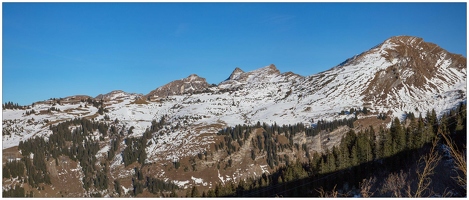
(182, 120)
(378, 78)
(192, 83)
(384, 79)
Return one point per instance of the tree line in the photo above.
(359, 155)
(269, 141)
(12, 106)
(77, 144)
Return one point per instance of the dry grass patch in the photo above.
(371, 120)
(92, 116)
(53, 122)
(140, 101)
(10, 153)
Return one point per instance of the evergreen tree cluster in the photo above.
(114, 147)
(155, 185)
(268, 142)
(13, 169)
(98, 104)
(135, 147)
(16, 191)
(157, 125)
(177, 164)
(134, 151)
(93, 102)
(10, 105)
(138, 187)
(76, 143)
(382, 116)
(36, 171)
(270, 147)
(355, 111)
(32, 111)
(117, 187)
(323, 125)
(53, 109)
(355, 158)
(101, 180)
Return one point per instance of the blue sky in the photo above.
(63, 49)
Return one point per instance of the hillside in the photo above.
(190, 133)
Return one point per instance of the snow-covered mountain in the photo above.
(401, 74)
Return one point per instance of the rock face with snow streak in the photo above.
(419, 71)
(401, 74)
(259, 75)
(235, 74)
(114, 95)
(192, 83)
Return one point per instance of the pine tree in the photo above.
(398, 136)
(322, 166)
(211, 193)
(173, 193)
(194, 192)
(344, 155)
(418, 139)
(331, 162)
(354, 155)
(117, 187)
(6, 172)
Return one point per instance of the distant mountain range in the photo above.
(403, 74)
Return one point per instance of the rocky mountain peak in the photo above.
(113, 95)
(235, 74)
(404, 39)
(263, 74)
(423, 58)
(193, 78)
(192, 83)
(412, 66)
(410, 47)
(395, 76)
(271, 69)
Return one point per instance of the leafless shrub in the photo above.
(459, 158)
(365, 187)
(334, 193)
(429, 162)
(395, 183)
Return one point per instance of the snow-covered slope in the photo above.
(402, 74)
(18, 126)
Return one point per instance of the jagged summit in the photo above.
(268, 70)
(235, 74)
(238, 76)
